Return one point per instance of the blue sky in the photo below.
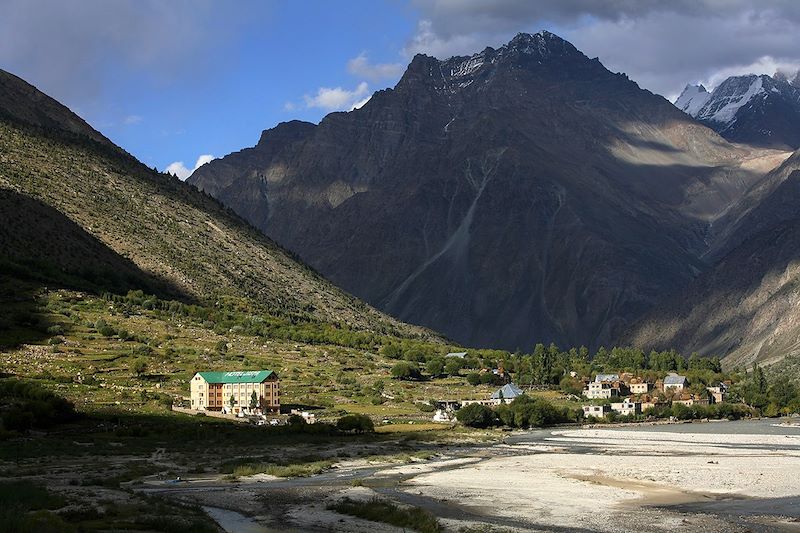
(173, 80)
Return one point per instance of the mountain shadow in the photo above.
(40, 247)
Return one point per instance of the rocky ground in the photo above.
(565, 480)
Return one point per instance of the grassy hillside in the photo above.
(83, 213)
(93, 345)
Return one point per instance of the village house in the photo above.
(506, 394)
(213, 391)
(605, 386)
(445, 409)
(649, 402)
(690, 399)
(598, 391)
(718, 393)
(627, 407)
(639, 386)
(456, 355)
(601, 378)
(597, 411)
(675, 382)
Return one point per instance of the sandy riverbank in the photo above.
(737, 477)
(612, 480)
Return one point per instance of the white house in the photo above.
(597, 411)
(675, 382)
(640, 387)
(596, 390)
(627, 407)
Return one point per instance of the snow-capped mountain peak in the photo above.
(730, 96)
(758, 109)
(692, 99)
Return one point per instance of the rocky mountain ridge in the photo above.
(519, 195)
(82, 213)
(755, 109)
(746, 305)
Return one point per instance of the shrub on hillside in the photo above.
(139, 366)
(355, 424)
(107, 331)
(435, 367)
(406, 370)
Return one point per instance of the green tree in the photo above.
(435, 367)
(232, 401)
(474, 378)
(571, 385)
(453, 366)
(392, 351)
(296, 420)
(476, 415)
(253, 400)
(406, 371)
(783, 392)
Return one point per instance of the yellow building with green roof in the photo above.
(247, 391)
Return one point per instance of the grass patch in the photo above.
(24, 507)
(409, 428)
(288, 470)
(379, 410)
(377, 510)
(27, 496)
(422, 455)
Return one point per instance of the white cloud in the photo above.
(338, 99)
(289, 106)
(180, 170)
(130, 120)
(427, 41)
(764, 65)
(360, 66)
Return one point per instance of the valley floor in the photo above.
(725, 476)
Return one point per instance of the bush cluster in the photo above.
(25, 405)
(355, 424)
(523, 412)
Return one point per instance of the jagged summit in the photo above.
(751, 108)
(544, 43)
(530, 51)
(692, 99)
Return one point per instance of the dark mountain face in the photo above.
(524, 194)
(746, 305)
(757, 110)
(21, 102)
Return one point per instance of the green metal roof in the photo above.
(245, 376)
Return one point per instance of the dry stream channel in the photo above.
(726, 476)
